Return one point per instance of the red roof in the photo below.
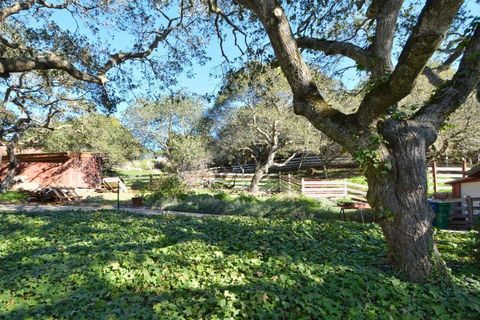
(474, 172)
(52, 156)
(462, 180)
(472, 175)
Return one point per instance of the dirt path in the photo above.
(56, 208)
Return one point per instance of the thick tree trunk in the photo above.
(12, 166)
(257, 178)
(261, 169)
(399, 194)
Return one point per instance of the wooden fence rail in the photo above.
(438, 176)
(318, 188)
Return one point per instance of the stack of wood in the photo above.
(53, 194)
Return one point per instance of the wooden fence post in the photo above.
(434, 175)
(289, 183)
(464, 167)
(279, 181)
(470, 212)
(302, 186)
(151, 179)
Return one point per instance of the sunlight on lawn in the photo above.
(110, 265)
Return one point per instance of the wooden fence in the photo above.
(438, 176)
(317, 188)
(239, 181)
(298, 163)
(139, 180)
(333, 189)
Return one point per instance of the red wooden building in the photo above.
(62, 169)
(467, 186)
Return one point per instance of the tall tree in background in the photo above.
(255, 120)
(31, 101)
(391, 147)
(172, 127)
(91, 132)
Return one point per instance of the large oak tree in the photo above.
(65, 45)
(391, 146)
(254, 121)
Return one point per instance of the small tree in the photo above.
(91, 132)
(257, 120)
(171, 126)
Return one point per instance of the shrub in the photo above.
(476, 249)
(223, 196)
(249, 205)
(164, 189)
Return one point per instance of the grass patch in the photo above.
(137, 179)
(106, 265)
(358, 180)
(12, 197)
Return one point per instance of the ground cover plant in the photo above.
(107, 265)
(246, 204)
(12, 197)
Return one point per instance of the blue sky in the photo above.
(205, 79)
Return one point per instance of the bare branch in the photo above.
(118, 58)
(354, 52)
(283, 164)
(457, 53)
(260, 130)
(433, 77)
(215, 9)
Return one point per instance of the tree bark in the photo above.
(257, 178)
(13, 165)
(397, 177)
(399, 195)
(261, 169)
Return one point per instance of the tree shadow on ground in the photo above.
(104, 264)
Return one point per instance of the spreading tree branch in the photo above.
(434, 21)
(354, 52)
(454, 92)
(307, 99)
(52, 61)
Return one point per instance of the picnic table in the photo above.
(360, 206)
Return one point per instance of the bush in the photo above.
(146, 164)
(249, 205)
(166, 188)
(476, 249)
